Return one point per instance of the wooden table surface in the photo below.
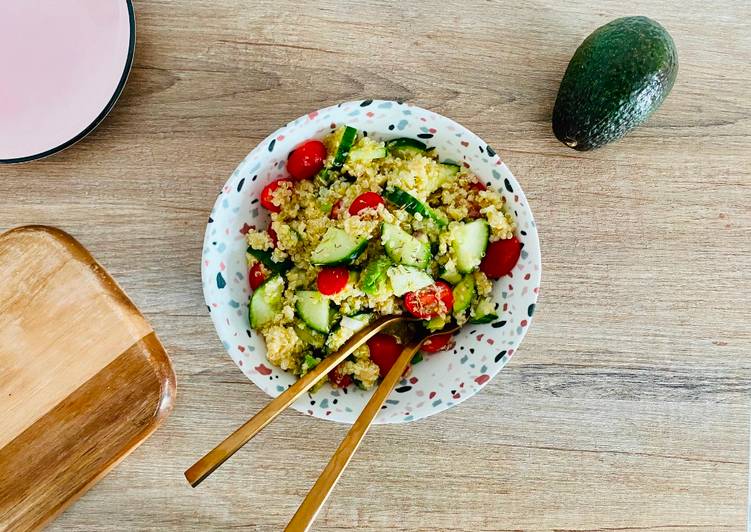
(626, 407)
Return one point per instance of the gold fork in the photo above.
(306, 513)
(219, 454)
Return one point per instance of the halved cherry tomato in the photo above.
(339, 379)
(368, 200)
(306, 160)
(335, 209)
(384, 350)
(431, 301)
(477, 185)
(332, 280)
(501, 257)
(267, 194)
(256, 275)
(436, 343)
(272, 235)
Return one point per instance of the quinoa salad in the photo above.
(364, 228)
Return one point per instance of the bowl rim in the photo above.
(505, 172)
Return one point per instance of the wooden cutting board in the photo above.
(83, 377)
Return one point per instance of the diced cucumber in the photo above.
(484, 312)
(469, 242)
(309, 336)
(266, 302)
(325, 177)
(407, 279)
(308, 363)
(366, 152)
(404, 248)
(436, 323)
(413, 205)
(463, 293)
(346, 141)
(451, 276)
(337, 247)
(264, 258)
(374, 274)
(356, 322)
(441, 174)
(406, 147)
(313, 309)
(348, 326)
(485, 318)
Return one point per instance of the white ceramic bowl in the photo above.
(441, 380)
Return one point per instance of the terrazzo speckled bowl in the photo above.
(441, 380)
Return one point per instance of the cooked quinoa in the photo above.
(424, 202)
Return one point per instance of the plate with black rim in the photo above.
(64, 67)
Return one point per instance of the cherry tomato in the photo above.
(431, 301)
(477, 185)
(339, 379)
(436, 343)
(335, 210)
(332, 280)
(267, 194)
(501, 257)
(384, 350)
(256, 275)
(368, 200)
(272, 235)
(305, 161)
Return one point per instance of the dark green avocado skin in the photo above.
(617, 78)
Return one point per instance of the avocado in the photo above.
(616, 79)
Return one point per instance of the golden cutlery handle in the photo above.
(320, 491)
(219, 454)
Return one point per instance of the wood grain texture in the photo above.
(83, 378)
(627, 406)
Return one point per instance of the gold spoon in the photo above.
(306, 513)
(219, 454)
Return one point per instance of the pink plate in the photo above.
(63, 64)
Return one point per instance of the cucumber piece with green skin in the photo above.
(451, 276)
(485, 318)
(325, 177)
(367, 153)
(405, 147)
(412, 205)
(484, 312)
(313, 309)
(407, 279)
(264, 257)
(309, 336)
(469, 242)
(436, 323)
(441, 174)
(266, 302)
(463, 293)
(374, 274)
(347, 140)
(308, 363)
(344, 143)
(337, 247)
(348, 326)
(616, 79)
(356, 322)
(404, 248)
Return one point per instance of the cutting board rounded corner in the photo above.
(114, 399)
